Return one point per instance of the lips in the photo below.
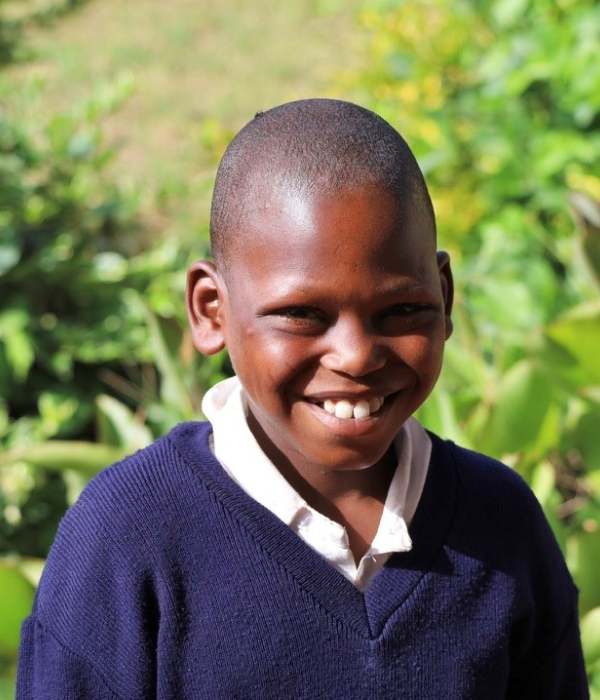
(346, 409)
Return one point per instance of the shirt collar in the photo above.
(242, 457)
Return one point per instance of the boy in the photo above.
(311, 541)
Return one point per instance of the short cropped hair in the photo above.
(308, 146)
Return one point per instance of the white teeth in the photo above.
(375, 405)
(346, 409)
(361, 410)
(343, 409)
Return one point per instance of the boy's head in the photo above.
(307, 147)
(326, 288)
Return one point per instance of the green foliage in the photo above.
(17, 597)
(504, 92)
(83, 312)
(590, 635)
(501, 101)
(63, 247)
(56, 277)
(15, 603)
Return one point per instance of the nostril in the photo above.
(354, 361)
(353, 348)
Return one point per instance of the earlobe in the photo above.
(447, 282)
(204, 299)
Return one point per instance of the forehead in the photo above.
(325, 232)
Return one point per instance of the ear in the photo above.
(447, 282)
(205, 294)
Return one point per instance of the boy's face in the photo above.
(334, 298)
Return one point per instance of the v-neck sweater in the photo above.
(166, 580)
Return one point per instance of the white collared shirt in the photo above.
(246, 463)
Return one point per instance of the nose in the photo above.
(353, 349)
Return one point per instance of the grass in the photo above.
(201, 70)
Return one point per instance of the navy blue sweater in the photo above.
(167, 581)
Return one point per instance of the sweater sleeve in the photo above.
(49, 671)
(550, 666)
(93, 632)
(514, 537)
(560, 674)
(548, 659)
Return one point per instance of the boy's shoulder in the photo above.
(151, 472)
(131, 513)
(484, 478)
(496, 519)
(157, 484)
(110, 568)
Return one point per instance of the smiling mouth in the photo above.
(343, 408)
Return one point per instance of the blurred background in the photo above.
(113, 116)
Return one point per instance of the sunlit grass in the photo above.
(200, 69)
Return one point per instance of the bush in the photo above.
(83, 311)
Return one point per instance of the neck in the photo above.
(352, 497)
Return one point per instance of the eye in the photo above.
(300, 313)
(401, 318)
(406, 309)
(299, 320)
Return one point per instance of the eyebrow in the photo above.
(407, 285)
(308, 290)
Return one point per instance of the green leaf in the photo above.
(118, 426)
(584, 563)
(56, 410)
(518, 415)
(86, 457)
(579, 332)
(17, 341)
(506, 12)
(173, 387)
(109, 267)
(31, 568)
(7, 683)
(15, 604)
(595, 684)
(10, 254)
(438, 414)
(586, 438)
(587, 215)
(590, 637)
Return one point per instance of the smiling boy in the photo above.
(312, 540)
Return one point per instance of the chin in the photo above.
(351, 461)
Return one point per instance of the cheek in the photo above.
(269, 367)
(423, 353)
(286, 356)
